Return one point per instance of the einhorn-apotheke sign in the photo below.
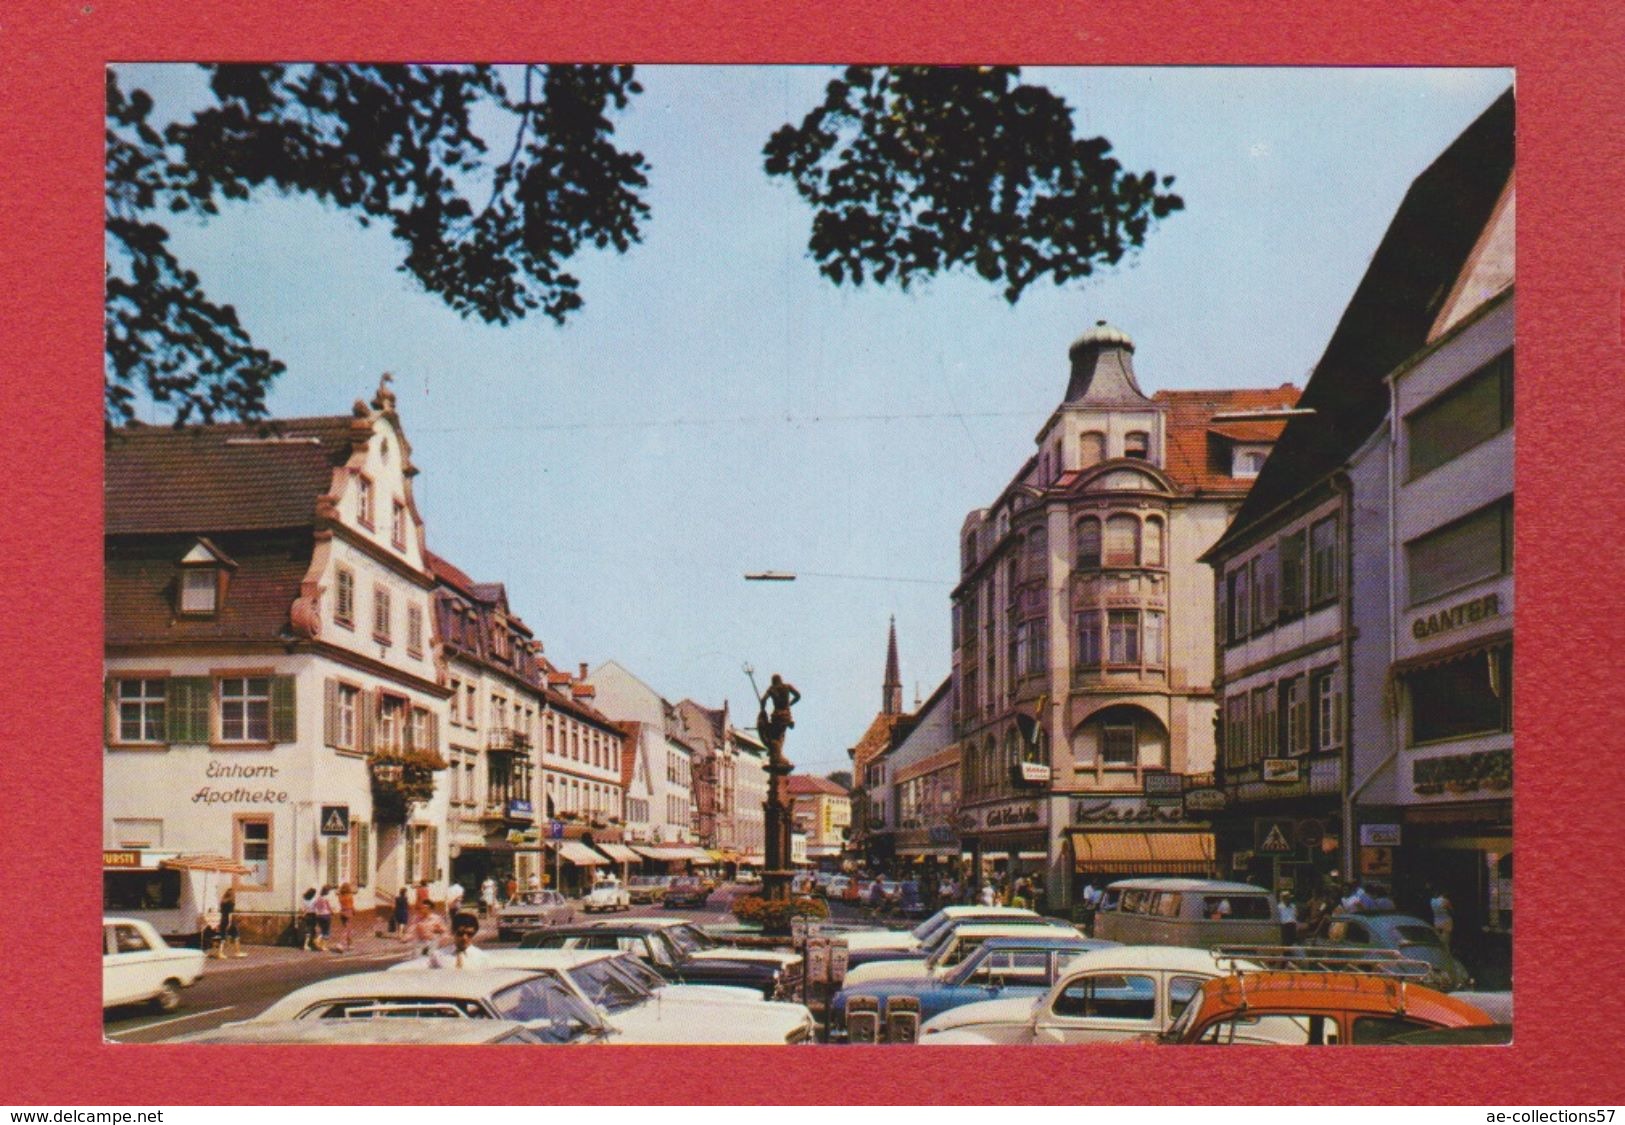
(1456, 616)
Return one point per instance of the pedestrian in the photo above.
(427, 928)
(512, 888)
(454, 899)
(535, 883)
(209, 939)
(988, 894)
(488, 896)
(1444, 918)
(463, 953)
(400, 915)
(423, 892)
(346, 915)
(308, 917)
(231, 943)
(1286, 912)
(323, 909)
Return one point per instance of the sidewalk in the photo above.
(375, 944)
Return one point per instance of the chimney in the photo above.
(583, 674)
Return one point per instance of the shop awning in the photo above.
(620, 853)
(1143, 853)
(201, 862)
(699, 854)
(579, 854)
(721, 855)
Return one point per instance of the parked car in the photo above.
(954, 944)
(646, 889)
(860, 942)
(530, 911)
(1199, 913)
(640, 1006)
(1409, 936)
(1316, 1009)
(1111, 994)
(139, 966)
(606, 896)
(686, 891)
(680, 951)
(359, 1032)
(1004, 967)
(544, 1002)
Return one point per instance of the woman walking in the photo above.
(346, 914)
(231, 944)
(308, 917)
(398, 920)
(323, 909)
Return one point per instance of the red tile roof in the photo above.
(1197, 454)
(875, 741)
(802, 784)
(449, 574)
(139, 589)
(221, 478)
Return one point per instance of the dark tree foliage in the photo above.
(912, 171)
(388, 144)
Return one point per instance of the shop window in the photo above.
(1323, 556)
(1472, 549)
(1468, 414)
(1461, 698)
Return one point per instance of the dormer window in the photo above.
(1137, 443)
(202, 579)
(1247, 461)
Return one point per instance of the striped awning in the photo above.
(620, 853)
(201, 862)
(1143, 853)
(573, 851)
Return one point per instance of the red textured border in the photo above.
(1570, 618)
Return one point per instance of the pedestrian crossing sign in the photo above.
(335, 820)
(1274, 838)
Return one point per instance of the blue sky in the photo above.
(718, 408)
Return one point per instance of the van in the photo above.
(1200, 913)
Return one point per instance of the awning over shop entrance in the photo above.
(620, 853)
(579, 854)
(207, 863)
(1143, 853)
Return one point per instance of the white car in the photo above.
(866, 940)
(638, 1006)
(138, 965)
(545, 1003)
(950, 948)
(1104, 995)
(606, 895)
(357, 1032)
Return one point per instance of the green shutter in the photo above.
(330, 712)
(333, 879)
(363, 857)
(284, 724)
(186, 708)
(109, 711)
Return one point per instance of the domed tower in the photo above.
(1103, 368)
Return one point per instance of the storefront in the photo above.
(928, 856)
(172, 891)
(1120, 837)
(1006, 840)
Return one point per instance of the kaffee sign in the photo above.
(1125, 810)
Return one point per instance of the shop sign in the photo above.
(516, 807)
(1456, 616)
(1463, 773)
(1010, 815)
(1163, 787)
(1035, 773)
(335, 820)
(1124, 810)
(123, 857)
(1282, 771)
(264, 794)
(942, 834)
(1379, 835)
(1376, 861)
(1204, 800)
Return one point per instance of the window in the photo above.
(1295, 702)
(1264, 570)
(200, 587)
(1238, 602)
(1089, 650)
(363, 501)
(344, 597)
(252, 844)
(422, 732)
(392, 716)
(1122, 541)
(1264, 729)
(1119, 744)
(1235, 729)
(1088, 543)
(141, 710)
(1462, 698)
(1469, 550)
(1323, 583)
(1153, 638)
(1035, 564)
(245, 709)
(380, 615)
(1123, 635)
(414, 629)
(1137, 443)
(1111, 997)
(1466, 415)
(470, 714)
(1091, 448)
(1292, 558)
(456, 702)
(397, 524)
(1152, 549)
(1327, 691)
(1246, 463)
(344, 716)
(1032, 647)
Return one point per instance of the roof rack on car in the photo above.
(1357, 960)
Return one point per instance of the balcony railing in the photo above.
(507, 740)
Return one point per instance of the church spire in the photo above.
(892, 691)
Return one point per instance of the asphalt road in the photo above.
(239, 989)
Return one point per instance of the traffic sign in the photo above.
(555, 830)
(1274, 837)
(335, 820)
